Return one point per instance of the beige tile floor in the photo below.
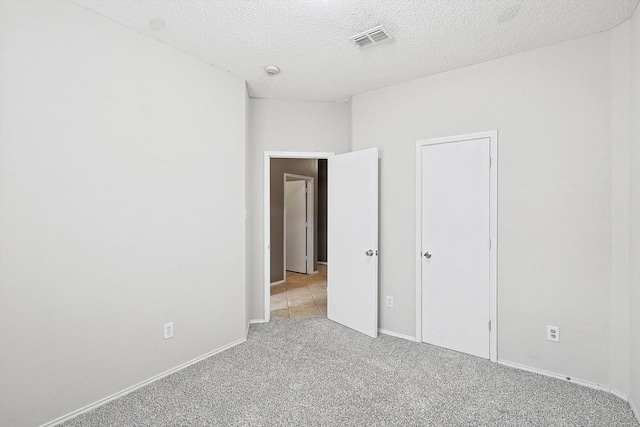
(302, 295)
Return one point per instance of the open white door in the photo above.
(295, 215)
(352, 240)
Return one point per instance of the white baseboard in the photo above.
(252, 321)
(621, 395)
(322, 262)
(634, 409)
(279, 282)
(579, 381)
(139, 385)
(394, 334)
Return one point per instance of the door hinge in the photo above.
(489, 324)
(489, 242)
(489, 161)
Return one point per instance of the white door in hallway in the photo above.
(455, 245)
(352, 240)
(295, 215)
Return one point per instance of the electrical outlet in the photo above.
(553, 333)
(168, 330)
(390, 302)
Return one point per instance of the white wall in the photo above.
(247, 299)
(552, 110)
(620, 126)
(634, 241)
(283, 126)
(122, 193)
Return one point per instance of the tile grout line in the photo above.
(308, 288)
(286, 294)
(314, 300)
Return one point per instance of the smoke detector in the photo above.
(374, 36)
(271, 70)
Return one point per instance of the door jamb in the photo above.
(310, 207)
(268, 155)
(493, 231)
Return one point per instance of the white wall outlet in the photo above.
(390, 302)
(553, 333)
(168, 330)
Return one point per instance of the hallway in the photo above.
(301, 296)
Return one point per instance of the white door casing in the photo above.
(352, 240)
(456, 221)
(295, 226)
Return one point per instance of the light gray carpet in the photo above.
(313, 372)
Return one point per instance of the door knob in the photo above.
(369, 252)
(427, 255)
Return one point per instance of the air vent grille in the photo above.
(376, 35)
(363, 41)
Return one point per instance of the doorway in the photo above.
(456, 242)
(352, 236)
(304, 289)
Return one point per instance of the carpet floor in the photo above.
(314, 372)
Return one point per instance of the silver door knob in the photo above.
(427, 255)
(369, 252)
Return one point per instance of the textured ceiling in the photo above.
(308, 39)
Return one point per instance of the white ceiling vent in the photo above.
(376, 35)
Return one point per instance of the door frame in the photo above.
(310, 206)
(493, 230)
(266, 207)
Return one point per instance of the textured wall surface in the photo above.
(122, 193)
(309, 40)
